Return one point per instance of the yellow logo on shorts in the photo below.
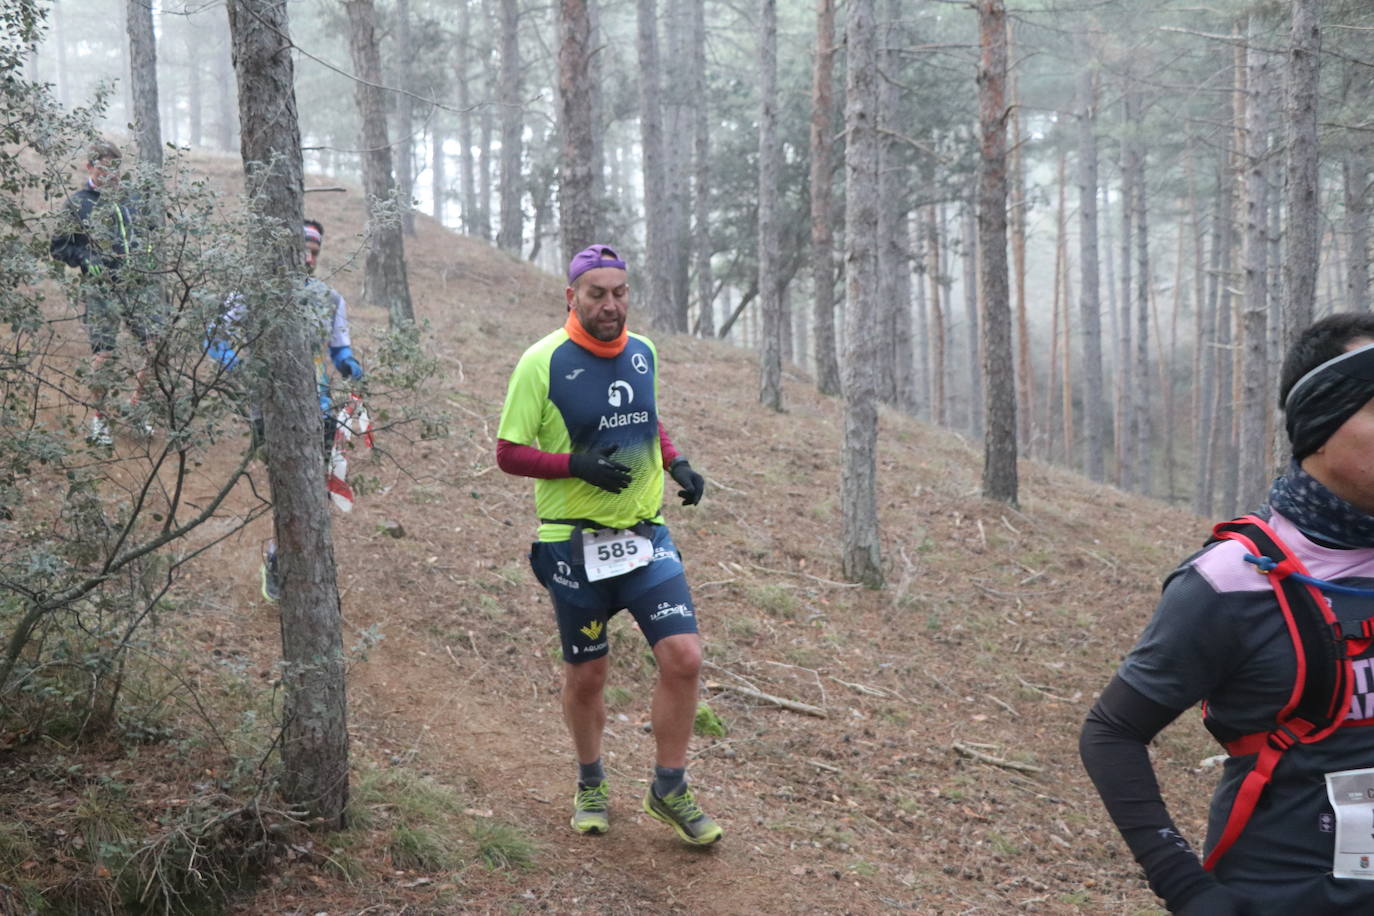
(593, 629)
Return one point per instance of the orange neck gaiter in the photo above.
(603, 348)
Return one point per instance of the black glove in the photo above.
(599, 470)
(1215, 901)
(693, 484)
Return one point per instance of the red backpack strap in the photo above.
(1320, 698)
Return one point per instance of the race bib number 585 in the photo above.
(609, 552)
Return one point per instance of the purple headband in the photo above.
(592, 258)
(313, 235)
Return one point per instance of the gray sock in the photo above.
(591, 774)
(668, 780)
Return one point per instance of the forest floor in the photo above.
(942, 777)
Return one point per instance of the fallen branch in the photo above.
(788, 572)
(967, 751)
(1053, 696)
(793, 705)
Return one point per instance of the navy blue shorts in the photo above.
(656, 595)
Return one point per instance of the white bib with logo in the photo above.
(608, 552)
(1352, 798)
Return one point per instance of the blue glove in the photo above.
(346, 362)
(222, 353)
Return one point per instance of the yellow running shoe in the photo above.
(590, 808)
(681, 812)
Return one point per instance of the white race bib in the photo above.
(608, 552)
(1352, 797)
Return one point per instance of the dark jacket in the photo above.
(95, 232)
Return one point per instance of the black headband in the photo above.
(1321, 401)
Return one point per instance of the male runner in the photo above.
(1303, 843)
(581, 417)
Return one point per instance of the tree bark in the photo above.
(438, 174)
(1302, 237)
(936, 328)
(861, 553)
(1355, 177)
(1126, 430)
(195, 96)
(999, 452)
(315, 709)
(701, 174)
(1140, 420)
(1025, 370)
(1090, 293)
(822, 202)
(511, 236)
(677, 151)
(405, 120)
(1254, 403)
(770, 293)
(146, 118)
(657, 255)
(893, 266)
(577, 210)
(467, 166)
(384, 278)
(973, 336)
(227, 125)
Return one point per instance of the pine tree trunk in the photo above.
(1061, 304)
(677, 151)
(405, 121)
(1301, 258)
(577, 209)
(1043, 446)
(486, 127)
(228, 122)
(195, 96)
(657, 255)
(384, 278)
(999, 461)
(438, 174)
(1204, 493)
(511, 236)
(314, 741)
(1126, 430)
(770, 292)
(467, 167)
(1140, 421)
(1090, 293)
(1254, 404)
(1025, 370)
(892, 210)
(861, 553)
(146, 119)
(936, 342)
(701, 173)
(922, 332)
(822, 202)
(973, 335)
(1355, 178)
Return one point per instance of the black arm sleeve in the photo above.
(1113, 745)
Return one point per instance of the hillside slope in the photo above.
(988, 644)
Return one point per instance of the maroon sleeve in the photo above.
(528, 461)
(665, 445)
